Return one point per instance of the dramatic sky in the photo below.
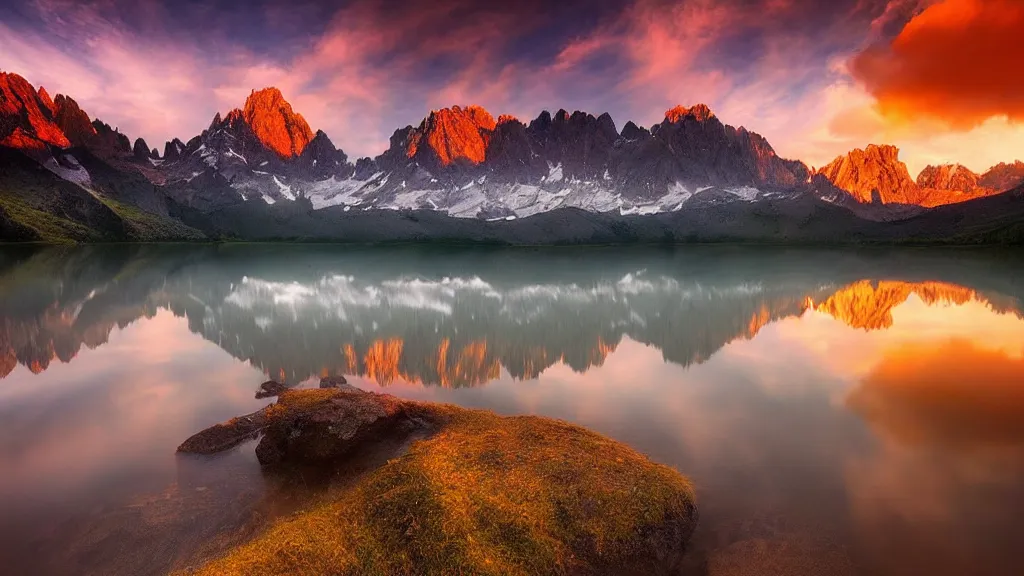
(939, 78)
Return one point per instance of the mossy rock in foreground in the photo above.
(484, 494)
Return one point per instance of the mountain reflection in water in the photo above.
(414, 321)
(842, 412)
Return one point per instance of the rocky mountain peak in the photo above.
(875, 174)
(233, 116)
(699, 112)
(948, 177)
(44, 96)
(633, 132)
(321, 159)
(109, 140)
(481, 117)
(1003, 176)
(452, 134)
(606, 123)
(365, 167)
(275, 124)
(542, 121)
(887, 152)
(862, 172)
(26, 119)
(506, 119)
(73, 121)
(173, 150)
(141, 150)
(709, 152)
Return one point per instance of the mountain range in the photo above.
(260, 172)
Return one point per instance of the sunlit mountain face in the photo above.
(596, 121)
(816, 78)
(852, 410)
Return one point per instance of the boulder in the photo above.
(477, 494)
(311, 426)
(270, 388)
(336, 382)
(318, 426)
(226, 435)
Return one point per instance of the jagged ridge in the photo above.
(876, 175)
(461, 161)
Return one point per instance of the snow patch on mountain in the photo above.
(555, 173)
(286, 190)
(414, 199)
(491, 201)
(231, 152)
(336, 192)
(70, 170)
(745, 193)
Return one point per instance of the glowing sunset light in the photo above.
(816, 79)
(950, 63)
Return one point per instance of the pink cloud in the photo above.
(160, 87)
(115, 77)
(372, 70)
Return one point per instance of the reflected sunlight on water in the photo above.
(839, 412)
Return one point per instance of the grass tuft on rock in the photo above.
(484, 495)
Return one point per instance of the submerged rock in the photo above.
(225, 435)
(336, 382)
(270, 388)
(482, 494)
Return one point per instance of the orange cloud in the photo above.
(954, 61)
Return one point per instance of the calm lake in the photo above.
(839, 411)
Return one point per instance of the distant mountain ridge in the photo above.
(461, 162)
(876, 175)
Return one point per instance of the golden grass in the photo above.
(299, 401)
(485, 495)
